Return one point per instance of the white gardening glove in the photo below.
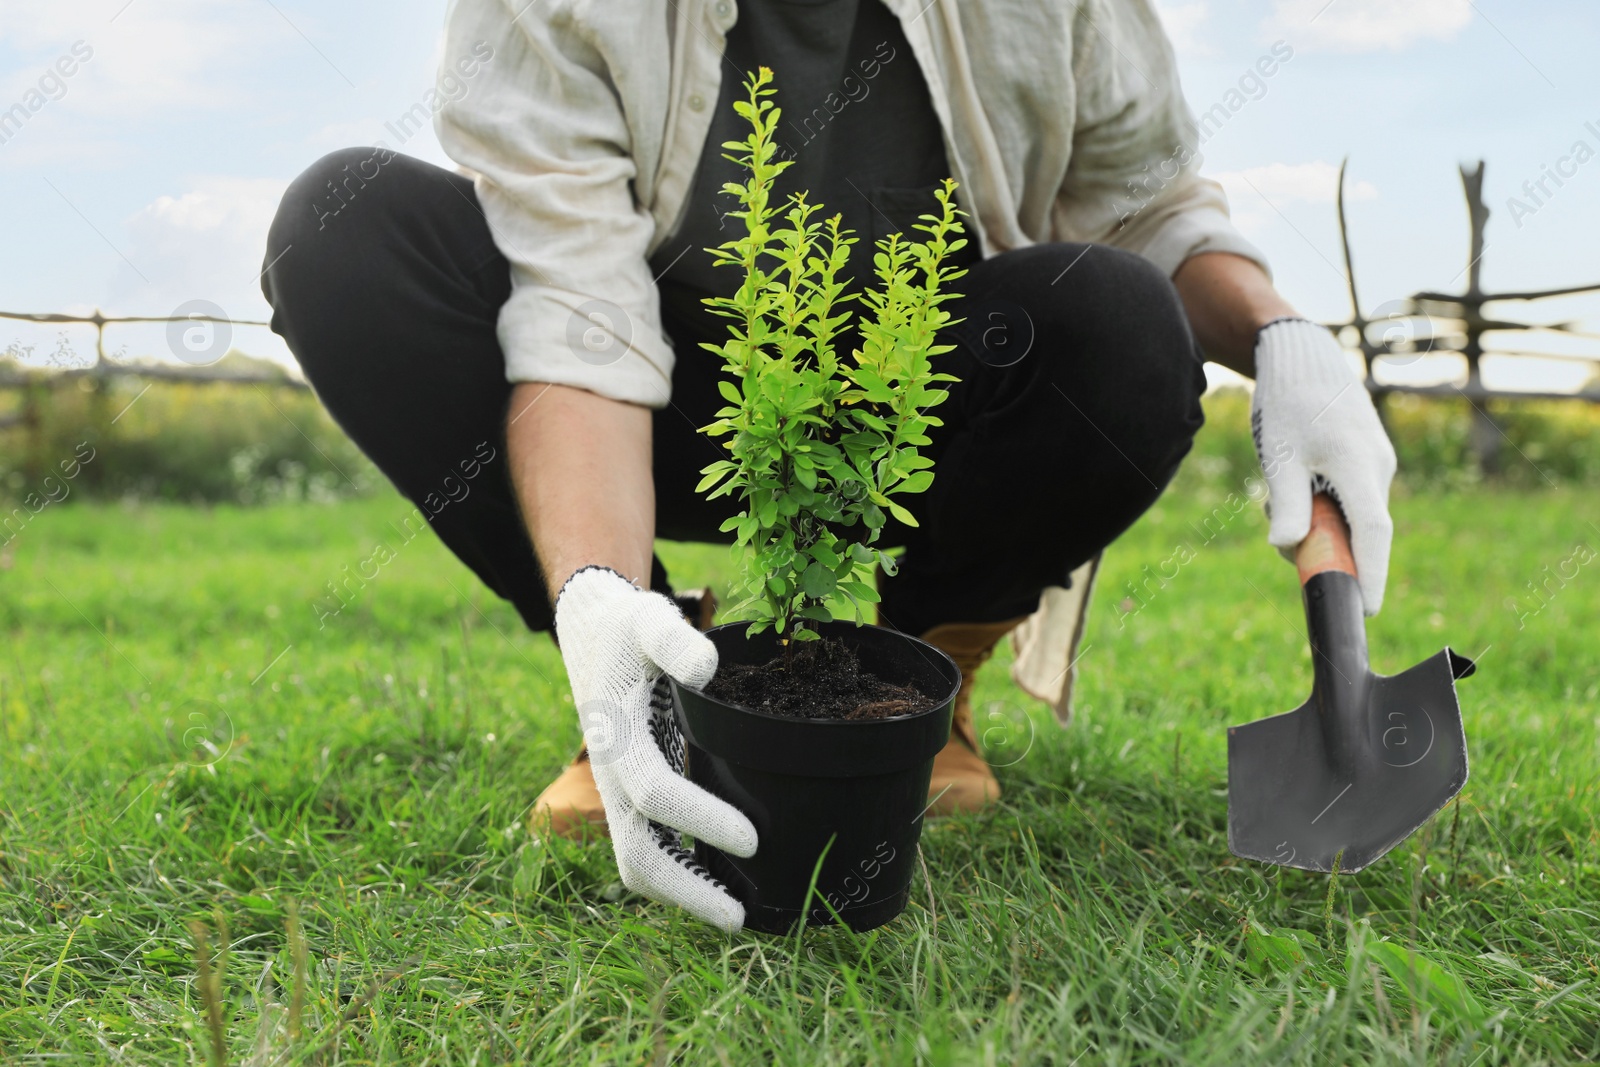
(1316, 431)
(617, 640)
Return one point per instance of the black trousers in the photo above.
(1079, 392)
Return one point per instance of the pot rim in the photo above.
(938, 704)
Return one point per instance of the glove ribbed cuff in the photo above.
(1303, 352)
(580, 570)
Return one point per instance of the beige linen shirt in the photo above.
(1063, 120)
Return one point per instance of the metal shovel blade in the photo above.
(1357, 768)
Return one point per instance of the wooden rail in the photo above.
(1461, 315)
(104, 367)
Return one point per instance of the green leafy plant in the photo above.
(821, 444)
(1428, 982)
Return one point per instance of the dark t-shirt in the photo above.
(857, 122)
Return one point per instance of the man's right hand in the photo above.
(618, 640)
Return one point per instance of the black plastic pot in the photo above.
(806, 782)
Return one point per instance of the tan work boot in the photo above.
(962, 781)
(570, 806)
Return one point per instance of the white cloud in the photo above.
(1256, 194)
(1182, 23)
(153, 54)
(1365, 25)
(204, 244)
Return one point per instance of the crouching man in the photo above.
(547, 311)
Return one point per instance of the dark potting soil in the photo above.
(822, 680)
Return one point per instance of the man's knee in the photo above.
(330, 220)
(317, 198)
(1124, 344)
(1101, 292)
(334, 188)
(318, 239)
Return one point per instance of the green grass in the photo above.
(179, 741)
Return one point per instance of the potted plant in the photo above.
(823, 732)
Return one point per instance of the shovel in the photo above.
(1357, 768)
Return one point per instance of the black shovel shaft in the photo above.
(1341, 678)
(1335, 624)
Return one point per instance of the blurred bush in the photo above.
(1558, 440)
(1544, 442)
(252, 444)
(194, 443)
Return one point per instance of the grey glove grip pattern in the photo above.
(671, 842)
(664, 727)
(669, 739)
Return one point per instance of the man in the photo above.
(546, 313)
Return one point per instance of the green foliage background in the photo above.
(251, 445)
(201, 444)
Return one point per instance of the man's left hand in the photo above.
(1316, 431)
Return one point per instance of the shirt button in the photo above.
(723, 7)
(697, 102)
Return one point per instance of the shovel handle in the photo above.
(1327, 546)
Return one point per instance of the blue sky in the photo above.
(147, 177)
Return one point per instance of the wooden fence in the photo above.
(1435, 324)
(34, 383)
(1455, 324)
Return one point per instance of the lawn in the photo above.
(189, 743)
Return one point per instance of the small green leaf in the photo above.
(874, 387)
(901, 513)
(166, 959)
(258, 904)
(824, 554)
(1427, 982)
(1276, 951)
(818, 581)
